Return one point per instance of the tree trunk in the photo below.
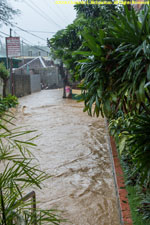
(63, 75)
(4, 88)
(3, 208)
(64, 90)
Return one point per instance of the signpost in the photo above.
(13, 49)
(13, 46)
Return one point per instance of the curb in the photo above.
(120, 185)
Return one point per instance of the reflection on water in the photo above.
(73, 149)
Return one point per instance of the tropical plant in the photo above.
(144, 207)
(132, 136)
(8, 102)
(4, 75)
(64, 42)
(115, 71)
(96, 10)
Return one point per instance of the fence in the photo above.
(26, 84)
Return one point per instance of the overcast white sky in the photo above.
(39, 15)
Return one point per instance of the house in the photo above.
(32, 63)
(15, 62)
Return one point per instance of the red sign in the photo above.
(13, 46)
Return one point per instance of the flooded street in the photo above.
(73, 149)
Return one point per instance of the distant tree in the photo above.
(66, 41)
(4, 75)
(93, 11)
(6, 12)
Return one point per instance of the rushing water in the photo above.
(73, 149)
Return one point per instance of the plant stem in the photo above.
(3, 208)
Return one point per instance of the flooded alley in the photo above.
(73, 149)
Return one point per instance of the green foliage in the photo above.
(66, 41)
(8, 102)
(135, 197)
(138, 145)
(115, 71)
(132, 138)
(19, 173)
(132, 135)
(94, 11)
(4, 73)
(144, 207)
(115, 83)
(6, 12)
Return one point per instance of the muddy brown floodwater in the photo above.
(73, 149)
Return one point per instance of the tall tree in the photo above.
(89, 17)
(6, 12)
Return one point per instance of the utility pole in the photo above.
(11, 72)
(23, 51)
(7, 60)
(10, 32)
(13, 50)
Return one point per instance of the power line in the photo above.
(31, 45)
(4, 33)
(47, 15)
(35, 47)
(61, 12)
(30, 33)
(39, 12)
(1, 36)
(13, 25)
(48, 4)
(46, 32)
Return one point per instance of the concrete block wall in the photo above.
(50, 77)
(35, 83)
(22, 85)
(25, 84)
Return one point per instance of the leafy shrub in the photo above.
(133, 137)
(115, 71)
(4, 75)
(8, 102)
(144, 207)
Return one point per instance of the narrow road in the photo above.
(73, 149)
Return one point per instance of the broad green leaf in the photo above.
(142, 90)
(148, 73)
(107, 108)
(82, 53)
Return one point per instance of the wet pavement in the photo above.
(73, 149)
